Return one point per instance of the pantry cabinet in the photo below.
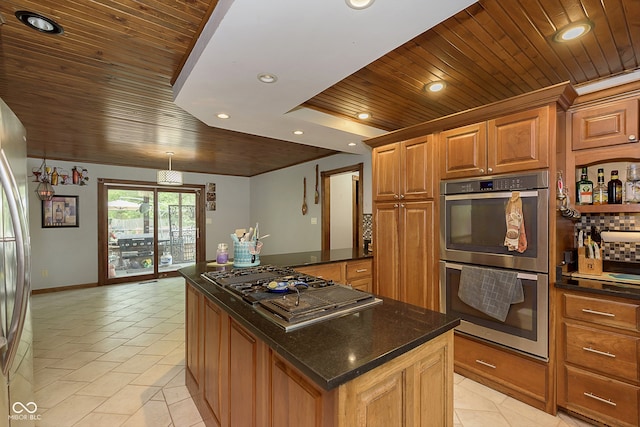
(404, 232)
(405, 258)
(599, 376)
(605, 124)
(511, 143)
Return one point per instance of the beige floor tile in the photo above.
(128, 400)
(465, 399)
(175, 394)
(96, 419)
(177, 335)
(76, 360)
(144, 339)
(184, 413)
(483, 391)
(91, 371)
(69, 411)
(121, 354)
(129, 333)
(138, 363)
(116, 326)
(46, 376)
(176, 357)
(157, 375)
(470, 418)
(107, 344)
(515, 408)
(108, 384)
(54, 393)
(161, 347)
(92, 337)
(152, 414)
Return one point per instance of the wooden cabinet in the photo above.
(511, 143)
(243, 382)
(404, 170)
(413, 390)
(605, 124)
(404, 233)
(506, 371)
(360, 274)
(331, 271)
(405, 258)
(599, 376)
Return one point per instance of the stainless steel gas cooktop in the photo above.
(289, 298)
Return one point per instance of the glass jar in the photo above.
(632, 186)
(222, 253)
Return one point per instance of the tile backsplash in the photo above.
(613, 251)
(367, 225)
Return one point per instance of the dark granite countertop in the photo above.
(338, 350)
(602, 287)
(313, 257)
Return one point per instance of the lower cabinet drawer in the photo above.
(362, 284)
(608, 400)
(605, 352)
(359, 269)
(526, 375)
(603, 312)
(332, 271)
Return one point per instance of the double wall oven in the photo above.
(472, 233)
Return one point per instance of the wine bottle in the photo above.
(614, 189)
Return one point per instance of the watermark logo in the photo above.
(24, 411)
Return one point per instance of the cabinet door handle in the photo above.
(600, 399)
(401, 196)
(482, 362)
(632, 138)
(599, 313)
(361, 270)
(402, 205)
(395, 196)
(396, 205)
(602, 353)
(490, 170)
(481, 170)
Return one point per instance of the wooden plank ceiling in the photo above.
(101, 93)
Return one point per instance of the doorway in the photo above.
(342, 215)
(147, 231)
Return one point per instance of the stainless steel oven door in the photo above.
(526, 328)
(472, 230)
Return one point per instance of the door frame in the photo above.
(103, 227)
(357, 205)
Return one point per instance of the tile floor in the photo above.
(114, 356)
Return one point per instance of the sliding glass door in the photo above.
(151, 231)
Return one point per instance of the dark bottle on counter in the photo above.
(614, 189)
(600, 195)
(585, 189)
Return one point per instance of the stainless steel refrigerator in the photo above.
(17, 406)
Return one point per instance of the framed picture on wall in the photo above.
(60, 211)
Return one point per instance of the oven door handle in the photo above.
(492, 195)
(521, 275)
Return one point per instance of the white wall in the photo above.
(276, 203)
(342, 210)
(69, 256)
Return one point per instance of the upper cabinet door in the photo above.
(386, 172)
(463, 151)
(417, 167)
(518, 142)
(606, 124)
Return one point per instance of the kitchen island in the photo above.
(390, 364)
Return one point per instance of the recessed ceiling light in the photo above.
(39, 22)
(363, 116)
(223, 116)
(351, 144)
(573, 31)
(435, 86)
(359, 4)
(298, 132)
(267, 78)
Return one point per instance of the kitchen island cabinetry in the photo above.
(512, 143)
(356, 273)
(600, 345)
(391, 364)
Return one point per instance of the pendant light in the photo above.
(169, 177)
(44, 190)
